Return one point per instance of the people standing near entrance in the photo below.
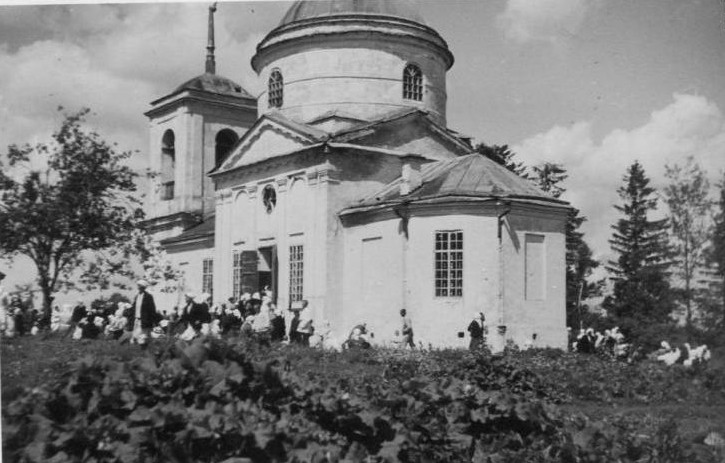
(477, 329)
(144, 314)
(305, 327)
(407, 329)
(279, 328)
(262, 324)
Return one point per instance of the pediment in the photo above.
(413, 133)
(268, 139)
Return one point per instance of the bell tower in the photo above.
(191, 130)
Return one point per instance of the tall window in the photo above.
(449, 263)
(296, 271)
(225, 141)
(237, 273)
(535, 273)
(412, 83)
(207, 276)
(168, 165)
(276, 89)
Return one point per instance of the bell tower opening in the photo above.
(225, 141)
(168, 165)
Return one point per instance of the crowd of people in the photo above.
(611, 342)
(683, 354)
(253, 315)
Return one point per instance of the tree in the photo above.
(690, 209)
(138, 257)
(83, 201)
(641, 287)
(580, 262)
(502, 155)
(716, 250)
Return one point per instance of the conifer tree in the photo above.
(580, 262)
(642, 292)
(502, 154)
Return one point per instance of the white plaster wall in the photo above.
(178, 122)
(438, 320)
(546, 317)
(242, 224)
(190, 262)
(195, 128)
(362, 78)
(373, 280)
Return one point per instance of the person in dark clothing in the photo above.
(279, 328)
(79, 313)
(477, 331)
(18, 313)
(407, 330)
(196, 313)
(143, 315)
(93, 325)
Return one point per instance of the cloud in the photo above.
(689, 125)
(542, 20)
(114, 59)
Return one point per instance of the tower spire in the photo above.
(210, 61)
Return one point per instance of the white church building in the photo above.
(342, 184)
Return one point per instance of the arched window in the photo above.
(412, 83)
(225, 141)
(168, 165)
(276, 89)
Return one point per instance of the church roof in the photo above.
(201, 231)
(214, 83)
(314, 9)
(472, 175)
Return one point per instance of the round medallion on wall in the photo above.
(269, 198)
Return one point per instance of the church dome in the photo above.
(213, 83)
(313, 9)
(361, 57)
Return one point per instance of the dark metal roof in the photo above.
(313, 9)
(202, 230)
(214, 83)
(472, 175)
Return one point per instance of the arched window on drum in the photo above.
(225, 141)
(276, 89)
(412, 83)
(168, 165)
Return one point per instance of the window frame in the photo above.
(237, 273)
(207, 276)
(296, 272)
(275, 89)
(448, 261)
(413, 84)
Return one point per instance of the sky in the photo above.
(591, 84)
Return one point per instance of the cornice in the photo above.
(190, 96)
(350, 27)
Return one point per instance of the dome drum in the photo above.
(350, 55)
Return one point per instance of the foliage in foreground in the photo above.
(212, 400)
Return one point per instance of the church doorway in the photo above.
(267, 270)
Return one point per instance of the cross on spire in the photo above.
(210, 61)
